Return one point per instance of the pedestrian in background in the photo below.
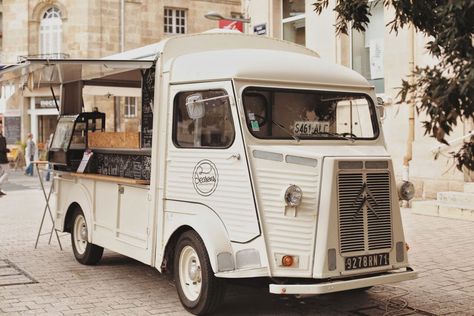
(30, 154)
(3, 162)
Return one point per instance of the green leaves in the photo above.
(465, 156)
(444, 92)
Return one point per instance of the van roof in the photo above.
(211, 40)
(258, 65)
(229, 55)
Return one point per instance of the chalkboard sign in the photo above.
(12, 129)
(124, 165)
(148, 92)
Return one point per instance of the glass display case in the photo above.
(70, 138)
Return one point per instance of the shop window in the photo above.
(203, 119)
(175, 21)
(51, 33)
(130, 107)
(368, 48)
(293, 21)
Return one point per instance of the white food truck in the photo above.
(255, 159)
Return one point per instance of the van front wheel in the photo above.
(199, 290)
(84, 251)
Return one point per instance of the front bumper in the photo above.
(344, 285)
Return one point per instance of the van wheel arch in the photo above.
(167, 263)
(68, 220)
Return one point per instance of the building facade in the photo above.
(384, 59)
(86, 29)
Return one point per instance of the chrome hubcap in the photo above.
(190, 275)
(80, 234)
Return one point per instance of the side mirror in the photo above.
(381, 110)
(380, 101)
(195, 106)
(380, 107)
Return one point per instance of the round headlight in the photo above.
(406, 190)
(293, 195)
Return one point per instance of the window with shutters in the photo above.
(175, 21)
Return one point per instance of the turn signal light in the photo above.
(407, 247)
(287, 261)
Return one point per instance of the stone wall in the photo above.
(91, 29)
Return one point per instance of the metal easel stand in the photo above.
(47, 206)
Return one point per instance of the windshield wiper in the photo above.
(283, 128)
(351, 138)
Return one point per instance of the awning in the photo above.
(11, 104)
(60, 71)
(40, 92)
(109, 91)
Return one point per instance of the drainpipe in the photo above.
(411, 106)
(122, 25)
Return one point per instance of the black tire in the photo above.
(84, 251)
(212, 289)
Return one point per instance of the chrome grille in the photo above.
(351, 227)
(364, 225)
(379, 227)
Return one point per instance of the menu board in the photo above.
(148, 92)
(124, 165)
(85, 160)
(12, 125)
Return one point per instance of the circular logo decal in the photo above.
(205, 177)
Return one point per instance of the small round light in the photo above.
(293, 195)
(287, 261)
(406, 190)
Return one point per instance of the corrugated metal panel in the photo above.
(380, 223)
(365, 217)
(351, 222)
(232, 200)
(287, 232)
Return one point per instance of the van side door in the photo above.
(206, 161)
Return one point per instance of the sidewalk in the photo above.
(50, 282)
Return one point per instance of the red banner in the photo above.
(231, 25)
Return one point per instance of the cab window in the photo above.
(202, 119)
(309, 114)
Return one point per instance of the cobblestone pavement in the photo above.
(50, 281)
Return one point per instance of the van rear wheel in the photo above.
(199, 290)
(84, 251)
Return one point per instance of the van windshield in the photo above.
(309, 114)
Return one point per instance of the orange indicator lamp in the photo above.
(287, 261)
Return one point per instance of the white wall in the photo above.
(430, 175)
(320, 31)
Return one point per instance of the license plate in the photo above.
(367, 261)
(310, 127)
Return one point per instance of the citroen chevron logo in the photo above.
(365, 197)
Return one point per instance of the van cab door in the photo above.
(207, 162)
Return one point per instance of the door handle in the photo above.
(234, 156)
